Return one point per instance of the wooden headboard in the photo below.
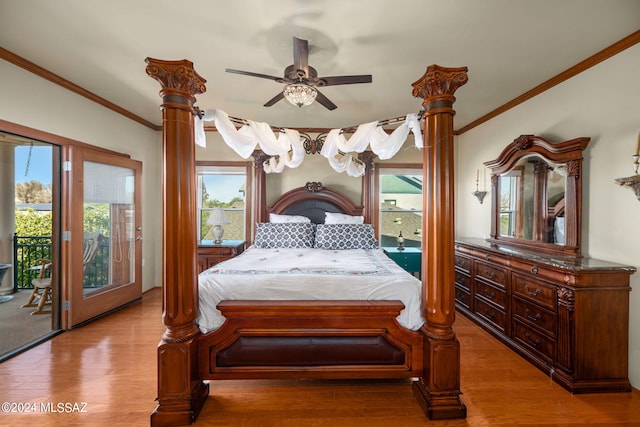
(313, 201)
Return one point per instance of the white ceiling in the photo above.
(509, 46)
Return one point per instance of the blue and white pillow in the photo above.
(284, 235)
(345, 236)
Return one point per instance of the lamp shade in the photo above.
(217, 217)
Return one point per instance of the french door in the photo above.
(101, 235)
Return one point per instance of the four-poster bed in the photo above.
(348, 338)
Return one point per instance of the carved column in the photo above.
(259, 186)
(180, 393)
(370, 210)
(573, 200)
(438, 390)
(540, 204)
(566, 307)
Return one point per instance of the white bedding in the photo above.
(308, 274)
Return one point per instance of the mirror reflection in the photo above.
(531, 201)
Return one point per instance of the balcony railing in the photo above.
(28, 249)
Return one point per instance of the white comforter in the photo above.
(308, 274)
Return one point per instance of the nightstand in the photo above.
(410, 259)
(210, 253)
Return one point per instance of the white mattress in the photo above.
(308, 274)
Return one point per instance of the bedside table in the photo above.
(209, 253)
(410, 259)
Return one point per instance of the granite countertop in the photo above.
(572, 263)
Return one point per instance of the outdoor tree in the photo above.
(33, 192)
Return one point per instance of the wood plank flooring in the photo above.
(110, 365)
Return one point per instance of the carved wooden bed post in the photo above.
(438, 390)
(370, 210)
(180, 393)
(260, 186)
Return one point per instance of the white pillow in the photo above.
(280, 219)
(339, 218)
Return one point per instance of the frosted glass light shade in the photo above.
(300, 94)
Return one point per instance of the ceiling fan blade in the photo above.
(301, 56)
(248, 73)
(275, 99)
(345, 80)
(325, 102)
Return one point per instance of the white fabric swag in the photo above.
(245, 140)
(336, 147)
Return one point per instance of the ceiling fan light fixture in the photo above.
(300, 94)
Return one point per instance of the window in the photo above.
(223, 186)
(511, 190)
(400, 195)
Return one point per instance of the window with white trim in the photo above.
(222, 187)
(400, 210)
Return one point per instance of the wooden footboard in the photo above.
(310, 339)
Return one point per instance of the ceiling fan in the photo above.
(302, 80)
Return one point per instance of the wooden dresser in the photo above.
(209, 253)
(569, 316)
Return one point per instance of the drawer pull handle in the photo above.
(535, 318)
(535, 343)
(534, 269)
(490, 274)
(489, 313)
(532, 293)
(486, 257)
(490, 295)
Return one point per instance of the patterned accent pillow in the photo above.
(284, 235)
(345, 236)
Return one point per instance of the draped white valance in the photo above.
(384, 145)
(286, 148)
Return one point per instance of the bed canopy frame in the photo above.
(183, 349)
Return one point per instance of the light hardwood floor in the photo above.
(110, 365)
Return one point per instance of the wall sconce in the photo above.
(400, 240)
(479, 194)
(633, 182)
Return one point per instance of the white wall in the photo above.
(602, 103)
(31, 101)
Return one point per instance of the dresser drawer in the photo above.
(540, 271)
(534, 290)
(534, 314)
(463, 297)
(463, 280)
(537, 342)
(462, 263)
(493, 315)
(220, 252)
(494, 294)
(497, 275)
(212, 254)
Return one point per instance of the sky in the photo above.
(224, 187)
(39, 165)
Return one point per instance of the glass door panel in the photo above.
(108, 253)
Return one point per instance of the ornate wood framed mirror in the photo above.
(536, 197)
